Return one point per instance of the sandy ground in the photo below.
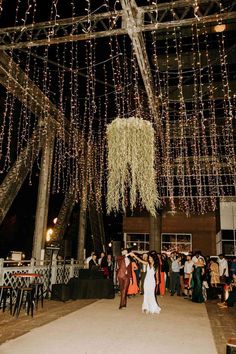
(181, 327)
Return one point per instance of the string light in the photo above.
(197, 159)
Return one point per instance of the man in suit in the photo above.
(124, 274)
(93, 265)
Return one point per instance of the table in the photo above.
(27, 276)
(91, 288)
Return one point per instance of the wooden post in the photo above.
(43, 197)
(81, 235)
(155, 233)
(82, 226)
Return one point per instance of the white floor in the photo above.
(100, 328)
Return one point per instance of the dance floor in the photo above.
(181, 327)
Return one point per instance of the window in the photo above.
(228, 242)
(138, 242)
(176, 242)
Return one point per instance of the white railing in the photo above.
(54, 272)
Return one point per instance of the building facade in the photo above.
(212, 233)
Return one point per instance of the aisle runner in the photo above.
(181, 328)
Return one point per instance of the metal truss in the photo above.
(64, 215)
(36, 101)
(132, 23)
(24, 89)
(159, 17)
(19, 171)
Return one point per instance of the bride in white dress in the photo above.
(151, 280)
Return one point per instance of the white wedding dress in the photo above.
(149, 301)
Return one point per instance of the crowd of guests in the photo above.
(105, 264)
(192, 276)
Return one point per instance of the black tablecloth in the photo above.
(91, 289)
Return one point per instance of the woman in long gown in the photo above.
(150, 283)
(162, 286)
(196, 281)
(133, 286)
(215, 275)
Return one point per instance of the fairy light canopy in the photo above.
(85, 61)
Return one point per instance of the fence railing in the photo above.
(53, 272)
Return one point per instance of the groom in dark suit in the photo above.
(124, 274)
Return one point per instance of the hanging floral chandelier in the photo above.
(131, 173)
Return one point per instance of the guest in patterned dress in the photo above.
(215, 275)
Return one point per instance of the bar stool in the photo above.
(24, 296)
(38, 293)
(5, 292)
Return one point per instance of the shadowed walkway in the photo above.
(182, 327)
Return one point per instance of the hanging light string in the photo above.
(29, 121)
(1, 8)
(7, 117)
(99, 160)
(168, 159)
(182, 156)
(78, 142)
(106, 102)
(214, 177)
(25, 118)
(136, 87)
(196, 131)
(115, 76)
(228, 110)
(73, 85)
(125, 96)
(161, 149)
(60, 148)
(227, 94)
(28, 125)
(205, 163)
(90, 103)
(46, 85)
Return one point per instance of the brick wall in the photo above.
(136, 224)
(202, 227)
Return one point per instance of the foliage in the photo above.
(131, 173)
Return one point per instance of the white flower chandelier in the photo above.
(131, 173)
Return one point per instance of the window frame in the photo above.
(130, 244)
(176, 240)
(223, 240)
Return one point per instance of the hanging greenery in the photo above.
(131, 173)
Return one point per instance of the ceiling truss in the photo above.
(159, 17)
(131, 20)
(35, 100)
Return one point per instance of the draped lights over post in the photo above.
(131, 173)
